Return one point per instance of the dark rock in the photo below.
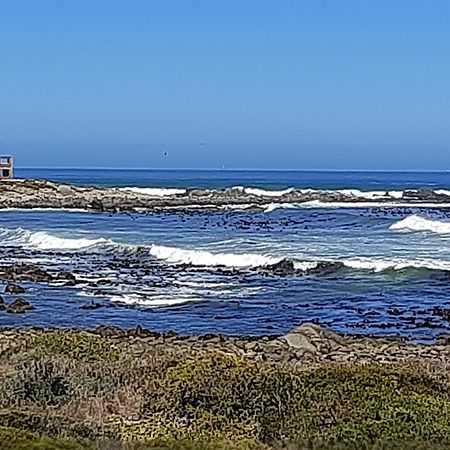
(444, 313)
(25, 272)
(395, 312)
(19, 306)
(325, 268)
(14, 289)
(66, 276)
(2, 304)
(282, 268)
(144, 332)
(91, 306)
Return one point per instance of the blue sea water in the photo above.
(371, 270)
(215, 179)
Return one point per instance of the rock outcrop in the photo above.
(45, 194)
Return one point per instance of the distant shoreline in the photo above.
(41, 194)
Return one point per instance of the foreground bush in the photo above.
(84, 393)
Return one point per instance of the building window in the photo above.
(5, 173)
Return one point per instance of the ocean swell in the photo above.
(41, 240)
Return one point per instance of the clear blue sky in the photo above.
(313, 84)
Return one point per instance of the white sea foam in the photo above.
(155, 301)
(155, 192)
(443, 192)
(267, 193)
(370, 195)
(366, 205)
(274, 206)
(205, 258)
(46, 241)
(353, 193)
(381, 265)
(305, 265)
(417, 223)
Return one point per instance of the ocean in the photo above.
(361, 269)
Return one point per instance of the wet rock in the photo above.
(444, 313)
(14, 289)
(325, 268)
(283, 268)
(2, 304)
(91, 306)
(25, 272)
(19, 306)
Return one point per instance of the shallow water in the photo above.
(361, 270)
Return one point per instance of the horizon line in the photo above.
(227, 169)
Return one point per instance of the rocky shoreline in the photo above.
(305, 345)
(28, 194)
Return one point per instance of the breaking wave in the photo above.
(417, 223)
(45, 241)
(154, 301)
(176, 255)
(349, 194)
(203, 258)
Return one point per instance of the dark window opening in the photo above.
(5, 173)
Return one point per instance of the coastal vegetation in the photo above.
(77, 390)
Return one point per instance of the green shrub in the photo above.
(334, 403)
(38, 383)
(67, 384)
(76, 345)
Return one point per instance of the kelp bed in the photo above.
(76, 390)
